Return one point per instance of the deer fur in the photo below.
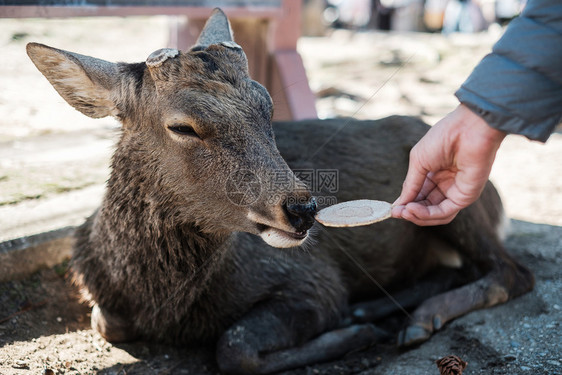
(175, 254)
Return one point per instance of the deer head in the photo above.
(197, 144)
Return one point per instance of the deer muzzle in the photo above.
(301, 214)
(293, 217)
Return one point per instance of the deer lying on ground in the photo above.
(184, 248)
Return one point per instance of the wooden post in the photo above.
(287, 81)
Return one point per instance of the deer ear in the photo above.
(86, 83)
(216, 30)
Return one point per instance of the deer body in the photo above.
(240, 265)
(176, 254)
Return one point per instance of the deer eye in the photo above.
(185, 130)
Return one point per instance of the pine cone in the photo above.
(451, 365)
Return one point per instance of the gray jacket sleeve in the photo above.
(518, 87)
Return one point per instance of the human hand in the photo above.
(448, 168)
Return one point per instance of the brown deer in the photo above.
(184, 248)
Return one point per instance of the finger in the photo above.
(426, 211)
(396, 211)
(466, 189)
(407, 215)
(430, 223)
(427, 188)
(413, 183)
(435, 197)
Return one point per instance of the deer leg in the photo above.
(440, 280)
(500, 285)
(269, 340)
(475, 232)
(113, 328)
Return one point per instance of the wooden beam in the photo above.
(33, 11)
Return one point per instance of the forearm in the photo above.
(518, 87)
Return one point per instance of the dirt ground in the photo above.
(51, 156)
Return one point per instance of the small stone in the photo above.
(22, 365)
(525, 368)
(514, 344)
(553, 363)
(59, 319)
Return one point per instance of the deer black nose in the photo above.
(301, 215)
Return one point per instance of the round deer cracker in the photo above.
(354, 213)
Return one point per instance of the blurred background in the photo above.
(408, 15)
(363, 58)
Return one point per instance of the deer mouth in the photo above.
(281, 238)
